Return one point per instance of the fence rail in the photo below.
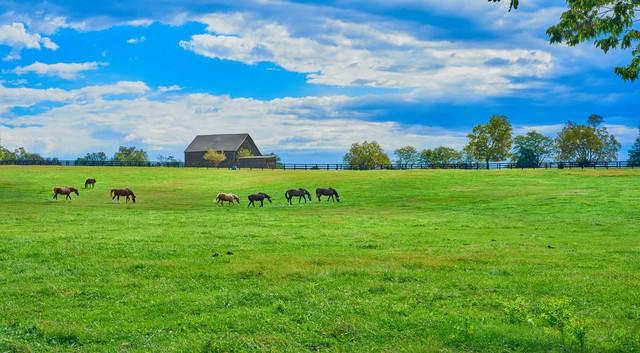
(319, 166)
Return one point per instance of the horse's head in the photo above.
(133, 196)
(74, 190)
(267, 197)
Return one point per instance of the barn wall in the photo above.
(258, 163)
(195, 159)
(251, 146)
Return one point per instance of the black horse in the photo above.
(301, 193)
(90, 183)
(331, 192)
(258, 197)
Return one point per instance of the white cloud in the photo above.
(136, 40)
(285, 124)
(16, 36)
(161, 122)
(334, 52)
(63, 70)
(169, 88)
(23, 97)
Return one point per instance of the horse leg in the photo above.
(250, 203)
(261, 203)
(55, 195)
(68, 197)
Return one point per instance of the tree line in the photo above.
(586, 144)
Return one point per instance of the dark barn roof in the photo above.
(222, 142)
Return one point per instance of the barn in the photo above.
(230, 144)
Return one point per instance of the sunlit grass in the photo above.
(415, 261)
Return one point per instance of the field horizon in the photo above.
(409, 261)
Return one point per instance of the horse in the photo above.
(222, 197)
(123, 192)
(90, 182)
(258, 197)
(64, 191)
(301, 193)
(331, 192)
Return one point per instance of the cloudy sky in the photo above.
(305, 79)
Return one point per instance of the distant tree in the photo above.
(244, 152)
(215, 157)
(440, 155)
(587, 143)
(406, 155)
(22, 154)
(168, 159)
(366, 154)
(610, 24)
(634, 153)
(130, 154)
(491, 141)
(93, 157)
(532, 149)
(278, 159)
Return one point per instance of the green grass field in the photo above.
(410, 261)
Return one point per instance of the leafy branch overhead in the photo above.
(610, 24)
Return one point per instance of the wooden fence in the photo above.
(319, 166)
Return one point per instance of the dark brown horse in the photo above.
(90, 182)
(230, 198)
(64, 191)
(116, 193)
(300, 193)
(258, 197)
(331, 192)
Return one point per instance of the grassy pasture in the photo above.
(410, 261)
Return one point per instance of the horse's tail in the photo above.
(112, 192)
(286, 195)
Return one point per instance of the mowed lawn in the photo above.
(410, 261)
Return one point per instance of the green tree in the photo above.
(634, 153)
(367, 155)
(491, 141)
(244, 152)
(130, 154)
(215, 157)
(406, 155)
(93, 157)
(610, 24)
(587, 143)
(22, 154)
(278, 159)
(532, 149)
(440, 155)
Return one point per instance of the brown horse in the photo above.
(124, 193)
(222, 197)
(90, 182)
(64, 191)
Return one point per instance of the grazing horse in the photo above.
(258, 197)
(124, 193)
(331, 192)
(64, 191)
(301, 193)
(222, 197)
(90, 182)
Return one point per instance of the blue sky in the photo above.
(305, 79)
